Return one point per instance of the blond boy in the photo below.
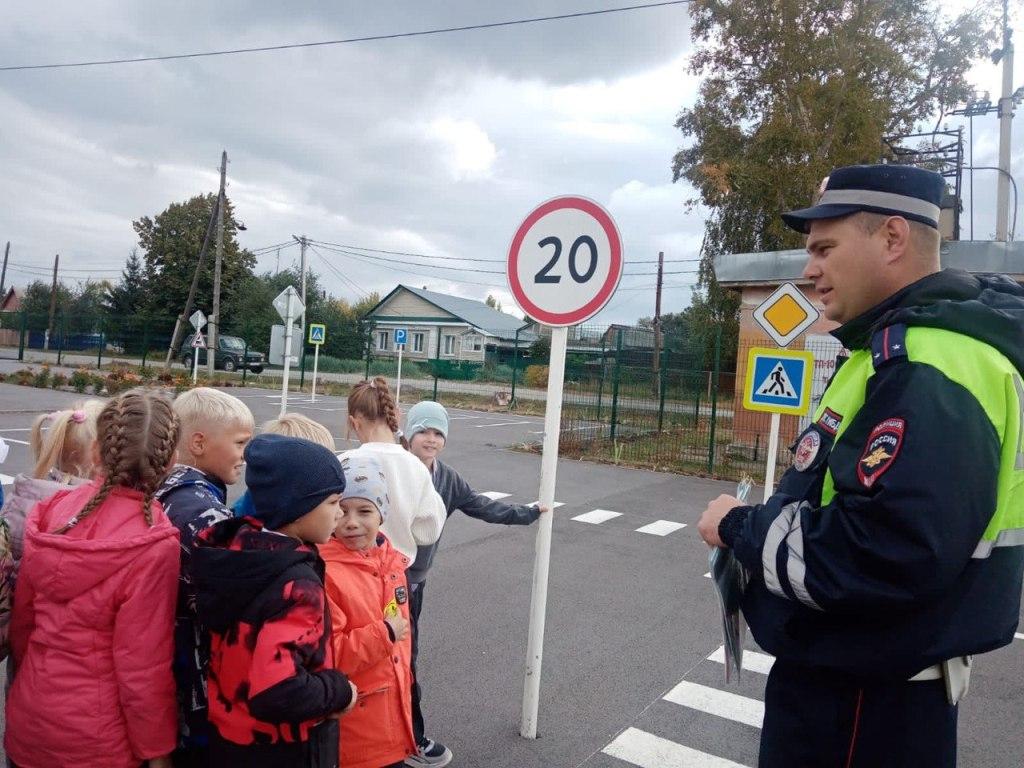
(215, 428)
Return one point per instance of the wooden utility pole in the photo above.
(211, 352)
(181, 319)
(53, 303)
(3, 274)
(1005, 133)
(657, 324)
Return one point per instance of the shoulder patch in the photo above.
(880, 451)
(830, 421)
(806, 450)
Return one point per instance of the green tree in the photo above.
(170, 244)
(793, 88)
(493, 303)
(36, 302)
(128, 297)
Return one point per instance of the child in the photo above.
(417, 512)
(94, 606)
(215, 428)
(274, 692)
(427, 428)
(292, 425)
(61, 444)
(369, 600)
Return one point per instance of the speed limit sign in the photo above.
(565, 261)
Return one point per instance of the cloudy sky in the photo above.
(434, 145)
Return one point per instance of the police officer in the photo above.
(893, 548)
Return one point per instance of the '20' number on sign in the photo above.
(545, 276)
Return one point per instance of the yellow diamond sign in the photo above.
(785, 314)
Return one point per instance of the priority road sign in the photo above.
(785, 314)
(565, 261)
(198, 319)
(401, 335)
(317, 333)
(199, 341)
(778, 381)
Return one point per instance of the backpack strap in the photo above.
(888, 343)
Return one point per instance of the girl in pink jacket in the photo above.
(94, 607)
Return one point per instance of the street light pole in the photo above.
(211, 351)
(1005, 123)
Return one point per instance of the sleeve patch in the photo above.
(880, 452)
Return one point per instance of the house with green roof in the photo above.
(445, 327)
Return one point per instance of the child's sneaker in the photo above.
(431, 753)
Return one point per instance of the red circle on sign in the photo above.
(593, 306)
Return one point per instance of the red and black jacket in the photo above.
(271, 675)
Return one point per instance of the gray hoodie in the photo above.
(457, 494)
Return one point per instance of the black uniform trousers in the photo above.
(818, 718)
(415, 606)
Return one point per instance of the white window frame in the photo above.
(417, 342)
(383, 338)
(477, 341)
(449, 345)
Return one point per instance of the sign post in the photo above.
(198, 320)
(317, 336)
(778, 382)
(288, 306)
(401, 337)
(198, 342)
(564, 264)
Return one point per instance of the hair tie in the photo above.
(373, 384)
(78, 417)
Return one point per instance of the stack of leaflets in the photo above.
(730, 581)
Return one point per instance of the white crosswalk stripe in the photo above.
(1019, 635)
(597, 516)
(495, 495)
(661, 528)
(731, 706)
(752, 660)
(646, 750)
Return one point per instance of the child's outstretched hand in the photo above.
(398, 625)
(160, 762)
(355, 698)
(543, 509)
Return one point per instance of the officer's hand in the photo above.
(717, 509)
(399, 625)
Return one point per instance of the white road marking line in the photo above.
(1018, 635)
(597, 516)
(495, 495)
(752, 660)
(661, 528)
(646, 750)
(500, 424)
(19, 442)
(707, 575)
(720, 703)
(6, 479)
(16, 429)
(556, 505)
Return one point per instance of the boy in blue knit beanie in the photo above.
(275, 693)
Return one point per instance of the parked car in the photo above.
(231, 355)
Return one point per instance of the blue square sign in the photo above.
(778, 381)
(401, 335)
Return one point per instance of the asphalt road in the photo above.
(631, 619)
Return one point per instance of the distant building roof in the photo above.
(737, 269)
(476, 313)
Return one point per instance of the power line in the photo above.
(267, 248)
(338, 273)
(364, 258)
(364, 39)
(468, 258)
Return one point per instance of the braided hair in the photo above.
(373, 401)
(137, 433)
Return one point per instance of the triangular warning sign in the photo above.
(199, 341)
(777, 383)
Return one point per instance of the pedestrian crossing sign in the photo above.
(778, 381)
(199, 341)
(317, 333)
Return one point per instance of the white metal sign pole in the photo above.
(548, 468)
(195, 364)
(287, 354)
(773, 448)
(398, 384)
(316, 360)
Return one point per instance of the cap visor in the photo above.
(801, 220)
